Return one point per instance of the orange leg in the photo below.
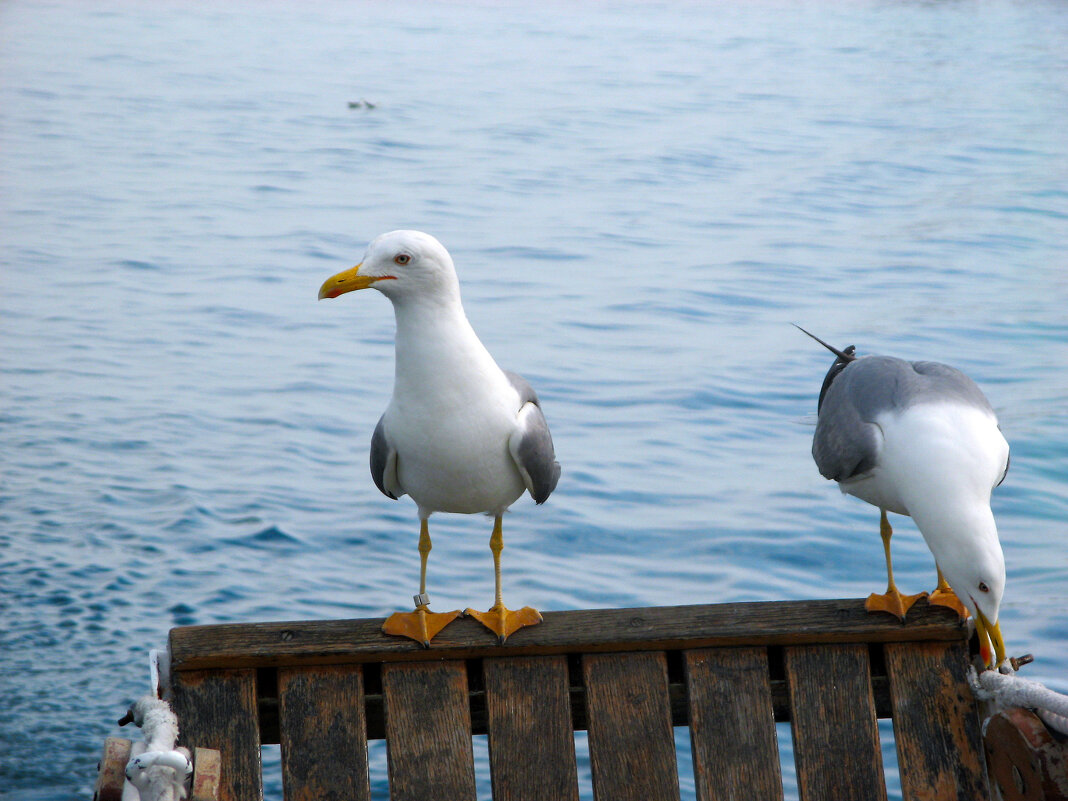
(892, 601)
(420, 625)
(498, 618)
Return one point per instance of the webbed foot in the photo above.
(892, 601)
(421, 625)
(503, 621)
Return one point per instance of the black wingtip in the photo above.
(848, 355)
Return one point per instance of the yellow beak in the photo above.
(989, 632)
(348, 281)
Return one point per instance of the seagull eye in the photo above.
(983, 587)
(402, 258)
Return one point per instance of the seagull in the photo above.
(921, 439)
(459, 434)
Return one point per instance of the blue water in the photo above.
(640, 199)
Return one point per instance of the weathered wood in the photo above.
(323, 734)
(836, 738)
(632, 746)
(111, 770)
(680, 713)
(1026, 762)
(936, 726)
(217, 709)
(583, 631)
(428, 732)
(729, 671)
(531, 743)
(207, 773)
(732, 724)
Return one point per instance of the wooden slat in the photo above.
(732, 724)
(207, 772)
(836, 738)
(936, 724)
(111, 770)
(531, 743)
(428, 732)
(658, 628)
(632, 745)
(323, 733)
(217, 709)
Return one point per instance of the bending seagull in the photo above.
(921, 439)
(459, 434)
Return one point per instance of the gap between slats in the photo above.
(268, 693)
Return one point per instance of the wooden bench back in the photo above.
(627, 676)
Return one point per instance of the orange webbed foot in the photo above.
(946, 597)
(503, 622)
(893, 602)
(421, 625)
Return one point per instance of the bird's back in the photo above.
(849, 436)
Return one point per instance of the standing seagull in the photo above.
(921, 439)
(459, 434)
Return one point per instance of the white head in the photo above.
(974, 565)
(401, 265)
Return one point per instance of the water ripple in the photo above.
(184, 429)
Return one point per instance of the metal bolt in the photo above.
(1020, 661)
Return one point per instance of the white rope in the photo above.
(158, 770)
(155, 785)
(1008, 689)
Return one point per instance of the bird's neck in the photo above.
(434, 341)
(953, 526)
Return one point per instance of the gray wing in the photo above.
(847, 441)
(531, 445)
(845, 444)
(384, 463)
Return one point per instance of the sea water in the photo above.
(640, 200)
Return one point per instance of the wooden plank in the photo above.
(632, 745)
(936, 724)
(836, 737)
(531, 743)
(428, 732)
(323, 733)
(582, 631)
(680, 713)
(217, 709)
(207, 771)
(111, 769)
(732, 724)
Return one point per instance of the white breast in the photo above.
(450, 418)
(932, 451)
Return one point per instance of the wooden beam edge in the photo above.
(761, 623)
